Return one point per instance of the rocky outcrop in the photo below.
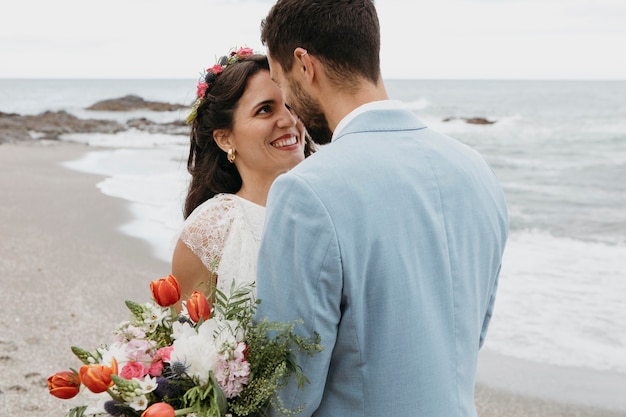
(131, 102)
(173, 128)
(50, 125)
(12, 128)
(471, 120)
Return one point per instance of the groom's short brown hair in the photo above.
(343, 34)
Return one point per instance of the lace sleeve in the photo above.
(206, 230)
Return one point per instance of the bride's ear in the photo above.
(223, 139)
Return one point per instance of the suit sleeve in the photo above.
(489, 312)
(300, 277)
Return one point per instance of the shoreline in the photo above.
(63, 258)
(566, 384)
(581, 391)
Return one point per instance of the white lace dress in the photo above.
(224, 232)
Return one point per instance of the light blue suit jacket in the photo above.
(388, 243)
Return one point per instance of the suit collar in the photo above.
(387, 115)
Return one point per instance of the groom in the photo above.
(387, 242)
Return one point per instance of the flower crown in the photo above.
(210, 75)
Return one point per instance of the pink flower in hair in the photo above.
(215, 69)
(244, 52)
(202, 89)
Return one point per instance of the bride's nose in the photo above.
(286, 118)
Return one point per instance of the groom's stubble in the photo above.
(310, 112)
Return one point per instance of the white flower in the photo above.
(139, 403)
(148, 384)
(180, 330)
(153, 316)
(116, 350)
(183, 311)
(196, 350)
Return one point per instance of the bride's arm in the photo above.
(200, 245)
(190, 272)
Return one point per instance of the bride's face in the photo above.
(267, 137)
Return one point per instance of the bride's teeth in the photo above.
(284, 142)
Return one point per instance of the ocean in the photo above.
(558, 148)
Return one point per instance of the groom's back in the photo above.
(421, 223)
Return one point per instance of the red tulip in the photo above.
(64, 384)
(166, 291)
(198, 307)
(159, 410)
(98, 377)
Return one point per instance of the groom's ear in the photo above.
(306, 66)
(223, 139)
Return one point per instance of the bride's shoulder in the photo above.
(207, 228)
(216, 210)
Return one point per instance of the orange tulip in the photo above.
(159, 410)
(64, 384)
(98, 377)
(198, 307)
(166, 291)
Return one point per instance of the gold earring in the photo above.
(231, 156)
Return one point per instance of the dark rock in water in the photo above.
(479, 121)
(146, 125)
(50, 125)
(132, 102)
(471, 120)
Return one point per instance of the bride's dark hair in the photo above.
(211, 173)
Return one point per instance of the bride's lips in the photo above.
(285, 141)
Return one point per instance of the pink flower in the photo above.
(244, 52)
(215, 69)
(202, 89)
(133, 370)
(162, 355)
(233, 375)
(156, 368)
(140, 350)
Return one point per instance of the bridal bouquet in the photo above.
(207, 361)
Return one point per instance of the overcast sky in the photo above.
(460, 39)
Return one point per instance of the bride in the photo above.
(243, 136)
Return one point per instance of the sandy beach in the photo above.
(66, 271)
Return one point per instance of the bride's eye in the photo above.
(264, 109)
